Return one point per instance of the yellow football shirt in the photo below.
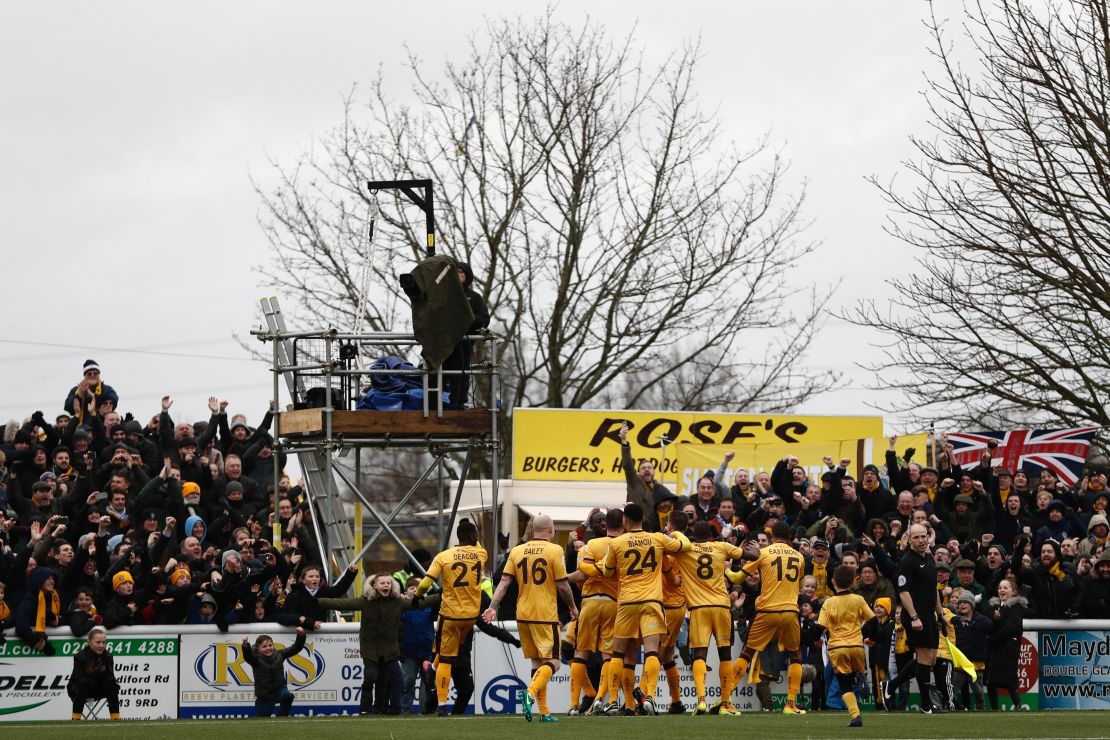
(637, 557)
(537, 566)
(673, 595)
(843, 616)
(780, 569)
(461, 570)
(703, 572)
(595, 552)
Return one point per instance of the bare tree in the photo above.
(618, 243)
(1007, 318)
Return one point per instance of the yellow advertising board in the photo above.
(694, 460)
(577, 444)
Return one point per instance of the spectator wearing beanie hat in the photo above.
(1098, 529)
(1094, 589)
(877, 498)
(120, 609)
(972, 631)
(91, 388)
(878, 634)
(1060, 526)
(1051, 582)
(871, 585)
(238, 438)
(172, 605)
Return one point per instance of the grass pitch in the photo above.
(905, 726)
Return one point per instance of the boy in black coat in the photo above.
(269, 673)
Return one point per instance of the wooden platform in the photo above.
(307, 423)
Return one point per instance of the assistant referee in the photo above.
(922, 614)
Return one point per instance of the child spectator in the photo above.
(81, 616)
(878, 634)
(972, 629)
(381, 606)
(120, 610)
(93, 675)
(417, 640)
(302, 598)
(39, 609)
(269, 673)
(6, 619)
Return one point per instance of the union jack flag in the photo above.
(1063, 451)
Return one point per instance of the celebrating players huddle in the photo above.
(637, 588)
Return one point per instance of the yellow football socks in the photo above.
(699, 678)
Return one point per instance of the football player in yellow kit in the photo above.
(780, 568)
(703, 581)
(598, 616)
(538, 568)
(842, 616)
(637, 556)
(461, 570)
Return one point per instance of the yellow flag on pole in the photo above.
(960, 660)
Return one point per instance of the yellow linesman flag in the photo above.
(960, 660)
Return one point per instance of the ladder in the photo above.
(336, 541)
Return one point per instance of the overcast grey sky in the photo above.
(131, 129)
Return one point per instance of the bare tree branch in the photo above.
(1007, 318)
(627, 255)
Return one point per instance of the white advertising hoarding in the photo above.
(33, 686)
(325, 677)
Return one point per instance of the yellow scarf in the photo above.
(40, 615)
(664, 517)
(821, 573)
(932, 492)
(1057, 571)
(83, 407)
(901, 644)
(1095, 487)
(5, 612)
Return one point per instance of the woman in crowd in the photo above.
(1005, 643)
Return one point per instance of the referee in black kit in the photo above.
(921, 612)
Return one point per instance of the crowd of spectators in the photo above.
(107, 521)
(1007, 548)
(986, 524)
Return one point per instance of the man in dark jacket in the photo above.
(270, 686)
(1094, 597)
(1053, 587)
(458, 386)
(653, 497)
(441, 312)
(91, 386)
(876, 498)
(1010, 521)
